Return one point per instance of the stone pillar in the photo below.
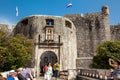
(72, 73)
(37, 71)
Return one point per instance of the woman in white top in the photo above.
(49, 72)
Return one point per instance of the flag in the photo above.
(69, 5)
(16, 11)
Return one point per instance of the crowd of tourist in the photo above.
(48, 71)
(19, 74)
(29, 74)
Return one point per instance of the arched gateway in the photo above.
(47, 57)
(55, 39)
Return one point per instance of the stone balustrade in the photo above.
(82, 74)
(100, 74)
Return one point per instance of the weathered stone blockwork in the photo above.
(75, 37)
(92, 29)
(62, 45)
(4, 27)
(115, 32)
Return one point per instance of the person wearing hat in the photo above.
(116, 65)
(11, 75)
(27, 73)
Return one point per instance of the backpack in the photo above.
(44, 68)
(57, 67)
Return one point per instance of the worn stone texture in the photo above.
(79, 37)
(79, 41)
(4, 27)
(115, 32)
(92, 30)
(84, 62)
(33, 26)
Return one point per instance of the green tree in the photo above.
(108, 49)
(15, 51)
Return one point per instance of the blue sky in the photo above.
(55, 7)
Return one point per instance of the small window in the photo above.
(25, 22)
(97, 23)
(68, 24)
(49, 22)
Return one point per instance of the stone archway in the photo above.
(47, 57)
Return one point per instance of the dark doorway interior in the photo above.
(47, 57)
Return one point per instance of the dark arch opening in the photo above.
(47, 57)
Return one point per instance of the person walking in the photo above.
(44, 70)
(19, 75)
(49, 72)
(27, 73)
(56, 69)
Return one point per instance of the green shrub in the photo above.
(15, 51)
(108, 49)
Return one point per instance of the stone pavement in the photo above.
(42, 78)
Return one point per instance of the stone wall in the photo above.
(87, 31)
(4, 27)
(115, 32)
(34, 27)
(92, 29)
(7, 28)
(84, 61)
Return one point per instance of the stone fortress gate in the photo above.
(54, 38)
(72, 40)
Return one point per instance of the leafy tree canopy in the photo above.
(15, 51)
(108, 49)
